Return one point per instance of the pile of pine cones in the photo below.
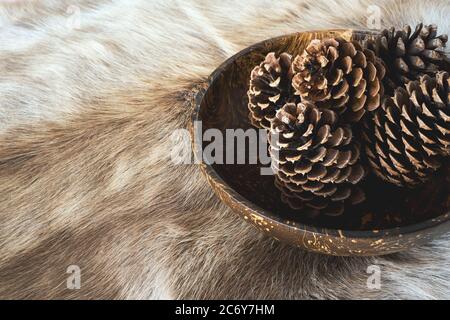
(343, 109)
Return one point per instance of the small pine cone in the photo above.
(312, 156)
(409, 54)
(409, 135)
(270, 88)
(341, 75)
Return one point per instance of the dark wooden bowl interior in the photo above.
(224, 106)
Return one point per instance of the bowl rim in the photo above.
(220, 186)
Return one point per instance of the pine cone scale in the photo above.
(411, 132)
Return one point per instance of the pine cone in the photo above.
(313, 205)
(340, 75)
(409, 54)
(315, 160)
(270, 88)
(409, 135)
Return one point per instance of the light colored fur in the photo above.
(88, 100)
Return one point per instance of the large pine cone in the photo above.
(270, 88)
(341, 75)
(315, 160)
(409, 135)
(409, 54)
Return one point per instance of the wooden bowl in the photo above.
(390, 220)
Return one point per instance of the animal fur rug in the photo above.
(90, 92)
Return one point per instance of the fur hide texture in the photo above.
(90, 91)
